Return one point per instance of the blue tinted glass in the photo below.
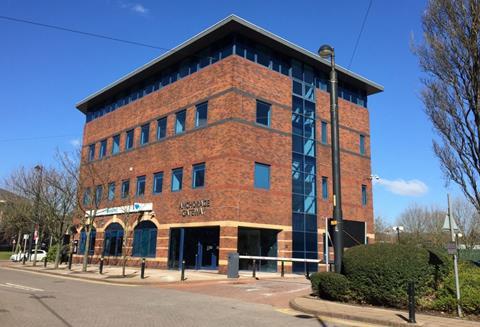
(201, 114)
(362, 144)
(309, 147)
(198, 178)
(297, 70)
(311, 224)
(157, 183)
(91, 152)
(180, 122)
(364, 195)
(310, 185)
(298, 222)
(86, 196)
(125, 188)
(324, 188)
(297, 88)
(161, 128)
(111, 191)
(297, 182)
(140, 186)
(103, 149)
(309, 165)
(297, 125)
(309, 109)
(262, 176)
(309, 127)
(297, 144)
(324, 132)
(116, 144)
(297, 162)
(145, 133)
(263, 113)
(310, 205)
(177, 176)
(129, 140)
(98, 194)
(297, 203)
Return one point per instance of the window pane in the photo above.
(297, 203)
(91, 152)
(140, 186)
(145, 134)
(263, 113)
(198, 175)
(111, 191)
(157, 183)
(310, 205)
(201, 114)
(103, 149)
(125, 188)
(297, 105)
(324, 132)
(116, 144)
(362, 144)
(180, 121)
(177, 176)
(161, 128)
(297, 124)
(129, 140)
(309, 147)
(297, 182)
(262, 176)
(364, 195)
(324, 188)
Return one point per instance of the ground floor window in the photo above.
(145, 240)
(257, 242)
(83, 240)
(113, 240)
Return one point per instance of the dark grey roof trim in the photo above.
(370, 86)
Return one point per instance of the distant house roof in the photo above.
(214, 33)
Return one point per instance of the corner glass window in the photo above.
(263, 113)
(145, 133)
(161, 128)
(177, 176)
(180, 121)
(262, 176)
(116, 144)
(129, 140)
(140, 186)
(201, 114)
(198, 178)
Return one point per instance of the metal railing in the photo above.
(276, 259)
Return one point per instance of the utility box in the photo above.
(233, 263)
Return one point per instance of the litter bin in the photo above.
(233, 262)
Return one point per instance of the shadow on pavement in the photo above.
(46, 306)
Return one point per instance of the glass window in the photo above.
(113, 240)
(145, 239)
(180, 121)
(177, 176)
(86, 196)
(140, 186)
(263, 113)
(324, 132)
(157, 183)
(116, 144)
(161, 128)
(324, 188)
(262, 176)
(364, 195)
(125, 188)
(129, 140)
(144, 134)
(91, 152)
(198, 178)
(201, 114)
(98, 194)
(83, 241)
(362, 144)
(111, 191)
(103, 149)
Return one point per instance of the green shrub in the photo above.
(331, 286)
(469, 277)
(379, 273)
(52, 252)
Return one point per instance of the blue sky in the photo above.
(45, 72)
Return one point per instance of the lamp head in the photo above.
(325, 51)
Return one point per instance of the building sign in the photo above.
(193, 208)
(136, 207)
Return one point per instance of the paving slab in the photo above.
(368, 314)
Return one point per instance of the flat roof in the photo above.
(210, 35)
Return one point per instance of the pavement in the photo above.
(372, 315)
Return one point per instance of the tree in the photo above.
(450, 57)
(468, 220)
(383, 230)
(16, 218)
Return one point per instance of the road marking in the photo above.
(80, 279)
(21, 287)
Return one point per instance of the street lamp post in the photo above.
(326, 51)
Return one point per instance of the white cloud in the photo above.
(135, 7)
(75, 142)
(413, 187)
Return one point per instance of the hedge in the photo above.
(331, 286)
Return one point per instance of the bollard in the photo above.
(411, 302)
(70, 257)
(196, 262)
(182, 276)
(24, 258)
(142, 269)
(101, 266)
(254, 269)
(282, 273)
(307, 271)
(45, 262)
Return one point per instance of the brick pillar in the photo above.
(163, 242)
(284, 244)
(228, 243)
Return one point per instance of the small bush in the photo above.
(331, 286)
(52, 252)
(379, 273)
(469, 277)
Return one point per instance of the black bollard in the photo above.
(70, 257)
(254, 269)
(101, 266)
(45, 262)
(196, 262)
(282, 273)
(182, 275)
(24, 258)
(307, 271)
(142, 269)
(411, 302)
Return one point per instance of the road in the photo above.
(30, 299)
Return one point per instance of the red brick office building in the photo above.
(223, 145)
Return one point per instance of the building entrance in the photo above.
(198, 246)
(257, 242)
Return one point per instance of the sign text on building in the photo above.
(193, 208)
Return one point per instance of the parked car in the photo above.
(41, 254)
